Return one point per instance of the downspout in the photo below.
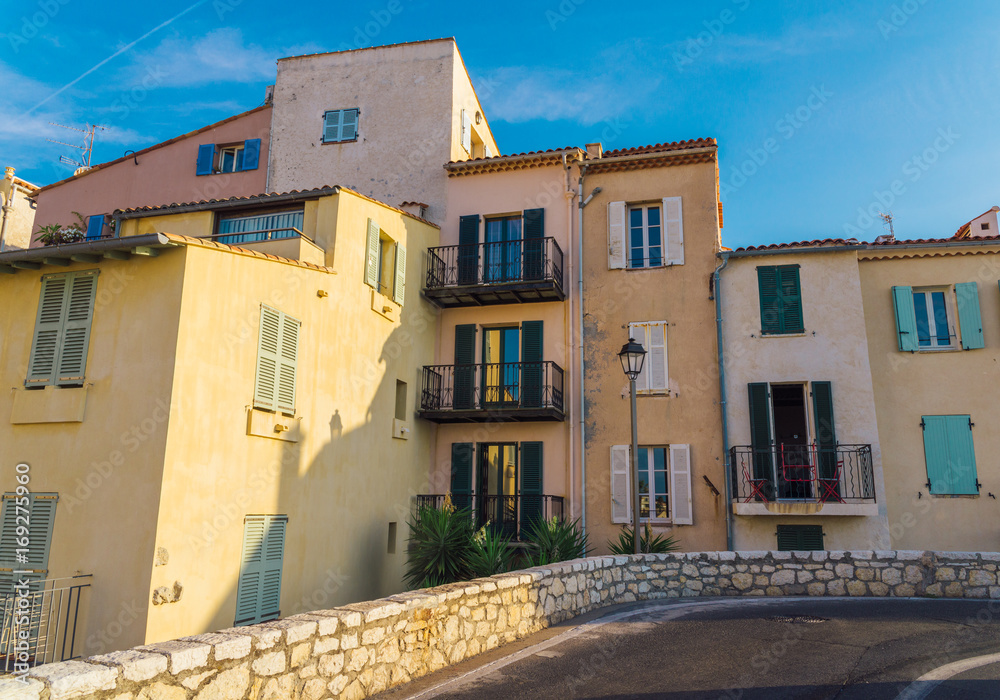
(581, 203)
(723, 404)
(568, 327)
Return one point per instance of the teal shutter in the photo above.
(258, 593)
(770, 312)
(331, 126)
(62, 329)
(826, 432)
(206, 158)
(288, 357)
(969, 318)
(95, 227)
(371, 259)
(534, 244)
(76, 329)
(399, 284)
(461, 474)
(251, 154)
(532, 481)
(349, 125)
(532, 368)
(268, 344)
(906, 319)
(48, 331)
(760, 429)
(40, 513)
(465, 368)
(468, 249)
(950, 455)
(790, 293)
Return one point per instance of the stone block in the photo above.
(224, 646)
(878, 589)
(816, 588)
(70, 679)
(844, 571)
(856, 588)
(269, 664)
(183, 656)
(162, 691)
(742, 581)
(977, 577)
(134, 665)
(892, 577)
(782, 578)
(835, 587)
(331, 665)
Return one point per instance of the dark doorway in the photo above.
(791, 435)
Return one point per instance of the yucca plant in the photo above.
(555, 540)
(439, 545)
(490, 553)
(647, 543)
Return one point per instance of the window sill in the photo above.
(49, 405)
(648, 269)
(954, 495)
(932, 351)
(333, 143)
(275, 426)
(648, 392)
(797, 334)
(384, 306)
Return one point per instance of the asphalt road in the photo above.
(744, 649)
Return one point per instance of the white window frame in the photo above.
(951, 311)
(651, 494)
(679, 486)
(237, 152)
(644, 207)
(645, 332)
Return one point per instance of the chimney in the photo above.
(595, 150)
(8, 173)
(268, 94)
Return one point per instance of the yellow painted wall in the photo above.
(20, 213)
(908, 386)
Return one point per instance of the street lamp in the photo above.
(632, 355)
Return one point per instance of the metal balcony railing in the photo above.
(39, 624)
(499, 389)
(512, 515)
(803, 473)
(528, 260)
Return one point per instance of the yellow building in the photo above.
(17, 211)
(216, 410)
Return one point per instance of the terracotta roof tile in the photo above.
(835, 242)
(967, 224)
(661, 147)
(557, 151)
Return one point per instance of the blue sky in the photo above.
(824, 112)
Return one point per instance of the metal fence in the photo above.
(510, 514)
(524, 260)
(39, 622)
(501, 386)
(805, 473)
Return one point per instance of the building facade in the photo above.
(17, 211)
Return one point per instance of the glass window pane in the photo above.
(227, 162)
(654, 235)
(635, 218)
(660, 483)
(661, 507)
(644, 507)
(655, 256)
(513, 229)
(923, 329)
(653, 216)
(941, 319)
(239, 160)
(659, 453)
(637, 241)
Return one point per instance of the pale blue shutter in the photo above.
(906, 319)
(48, 331)
(950, 455)
(40, 513)
(206, 158)
(274, 553)
(269, 340)
(76, 334)
(399, 285)
(331, 126)
(287, 363)
(251, 154)
(349, 125)
(969, 318)
(258, 592)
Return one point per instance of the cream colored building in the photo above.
(206, 403)
(17, 211)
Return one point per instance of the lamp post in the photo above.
(632, 355)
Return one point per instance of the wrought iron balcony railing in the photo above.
(523, 270)
(512, 515)
(39, 624)
(803, 473)
(502, 391)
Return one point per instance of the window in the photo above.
(800, 538)
(62, 329)
(258, 593)
(645, 235)
(985, 226)
(228, 158)
(235, 230)
(950, 455)
(400, 400)
(780, 299)
(664, 481)
(340, 125)
(502, 250)
(506, 487)
(653, 336)
(38, 510)
(925, 317)
(385, 264)
(277, 357)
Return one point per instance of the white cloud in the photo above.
(219, 56)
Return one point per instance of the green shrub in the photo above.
(555, 540)
(439, 546)
(490, 553)
(647, 544)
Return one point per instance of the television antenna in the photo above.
(887, 223)
(87, 149)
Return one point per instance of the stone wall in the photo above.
(361, 649)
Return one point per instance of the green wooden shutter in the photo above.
(40, 513)
(79, 315)
(461, 474)
(770, 310)
(790, 293)
(800, 538)
(534, 244)
(532, 483)
(969, 318)
(371, 259)
(826, 431)
(268, 345)
(48, 331)
(906, 319)
(258, 593)
(465, 368)
(532, 369)
(287, 364)
(950, 455)
(760, 429)
(468, 249)
(399, 284)
(274, 554)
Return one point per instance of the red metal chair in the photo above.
(796, 471)
(829, 488)
(756, 486)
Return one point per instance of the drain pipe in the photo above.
(581, 203)
(723, 404)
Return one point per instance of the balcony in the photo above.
(288, 243)
(47, 620)
(512, 391)
(803, 480)
(485, 274)
(512, 515)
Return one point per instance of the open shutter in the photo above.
(206, 158)
(399, 283)
(969, 318)
(534, 244)
(251, 154)
(657, 356)
(790, 298)
(621, 484)
(617, 230)
(287, 364)
(906, 319)
(274, 554)
(532, 370)
(95, 227)
(268, 346)
(48, 330)
(371, 259)
(640, 333)
(76, 334)
(461, 474)
(760, 429)
(682, 510)
(468, 249)
(466, 132)
(826, 431)
(251, 571)
(950, 455)
(348, 125)
(531, 483)
(465, 368)
(673, 223)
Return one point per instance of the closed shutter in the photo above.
(681, 508)
(657, 356)
(251, 154)
(800, 538)
(621, 484)
(468, 249)
(62, 329)
(259, 591)
(760, 429)
(790, 292)
(465, 369)
(617, 230)
(461, 474)
(288, 357)
(48, 330)
(532, 373)
(906, 319)
(466, 132)
(268, 345)
(332, 122)
(95, 227)
(640, 333)
(399, 283)
(349, 124)
(950, 455)
(206, 159)
(371, 258)
(673, 224)
(534, 244)
(969, 318)
(770, 311)
(40, 513)
(532, 481)
(826, 430)
(76, 335)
